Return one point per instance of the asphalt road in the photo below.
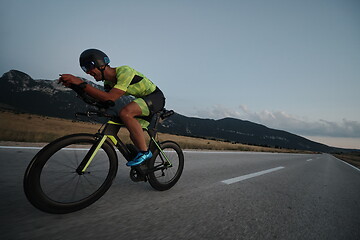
(219, 196)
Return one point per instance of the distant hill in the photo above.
(19, 92)
(239, 131)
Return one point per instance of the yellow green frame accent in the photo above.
(161, 151)
(113, 139)
(95, 152)
(144, 124)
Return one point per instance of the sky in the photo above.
(286, 64)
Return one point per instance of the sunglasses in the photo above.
(88, 66)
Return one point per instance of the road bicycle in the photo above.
(74, 171)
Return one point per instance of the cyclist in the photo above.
(120, 81)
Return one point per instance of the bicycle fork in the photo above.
(90, 155)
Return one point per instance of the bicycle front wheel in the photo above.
(52, 184)
(166, 166)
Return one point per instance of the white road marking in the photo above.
(358, 169)
(12, 147)
(244, 177)
(39, 148)
(309, 160)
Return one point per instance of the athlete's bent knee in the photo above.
(125, 113)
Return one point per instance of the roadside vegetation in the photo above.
(28, 128)
(352, 158)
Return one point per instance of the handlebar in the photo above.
(92, 113)
(90, 100)
(163, 114)
(104, 105)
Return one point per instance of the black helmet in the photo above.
(93, 58)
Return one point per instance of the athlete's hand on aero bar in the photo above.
(73, 82)
(67, 80)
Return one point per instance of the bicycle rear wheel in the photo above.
(52, 184)
(165, 168)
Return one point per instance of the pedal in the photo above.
(136, 176)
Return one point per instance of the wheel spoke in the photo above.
(60, 189)
(166, 171)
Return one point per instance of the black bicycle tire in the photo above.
(32, 187)
(151, 176)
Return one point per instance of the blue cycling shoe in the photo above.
(140, 158)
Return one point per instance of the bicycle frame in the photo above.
(46, 198)
(110, 132)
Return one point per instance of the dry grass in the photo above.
(27, 127)
(352, 158)
(198, 143)
(33, 128)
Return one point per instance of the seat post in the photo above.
(153, 130)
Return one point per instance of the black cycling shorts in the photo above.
(149, 104)
(155, 101)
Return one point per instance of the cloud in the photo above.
(284, 121)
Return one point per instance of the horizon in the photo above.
(287, 65)
(347, 142)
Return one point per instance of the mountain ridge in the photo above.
(19, 92)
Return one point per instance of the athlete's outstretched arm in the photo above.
(112, 95)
